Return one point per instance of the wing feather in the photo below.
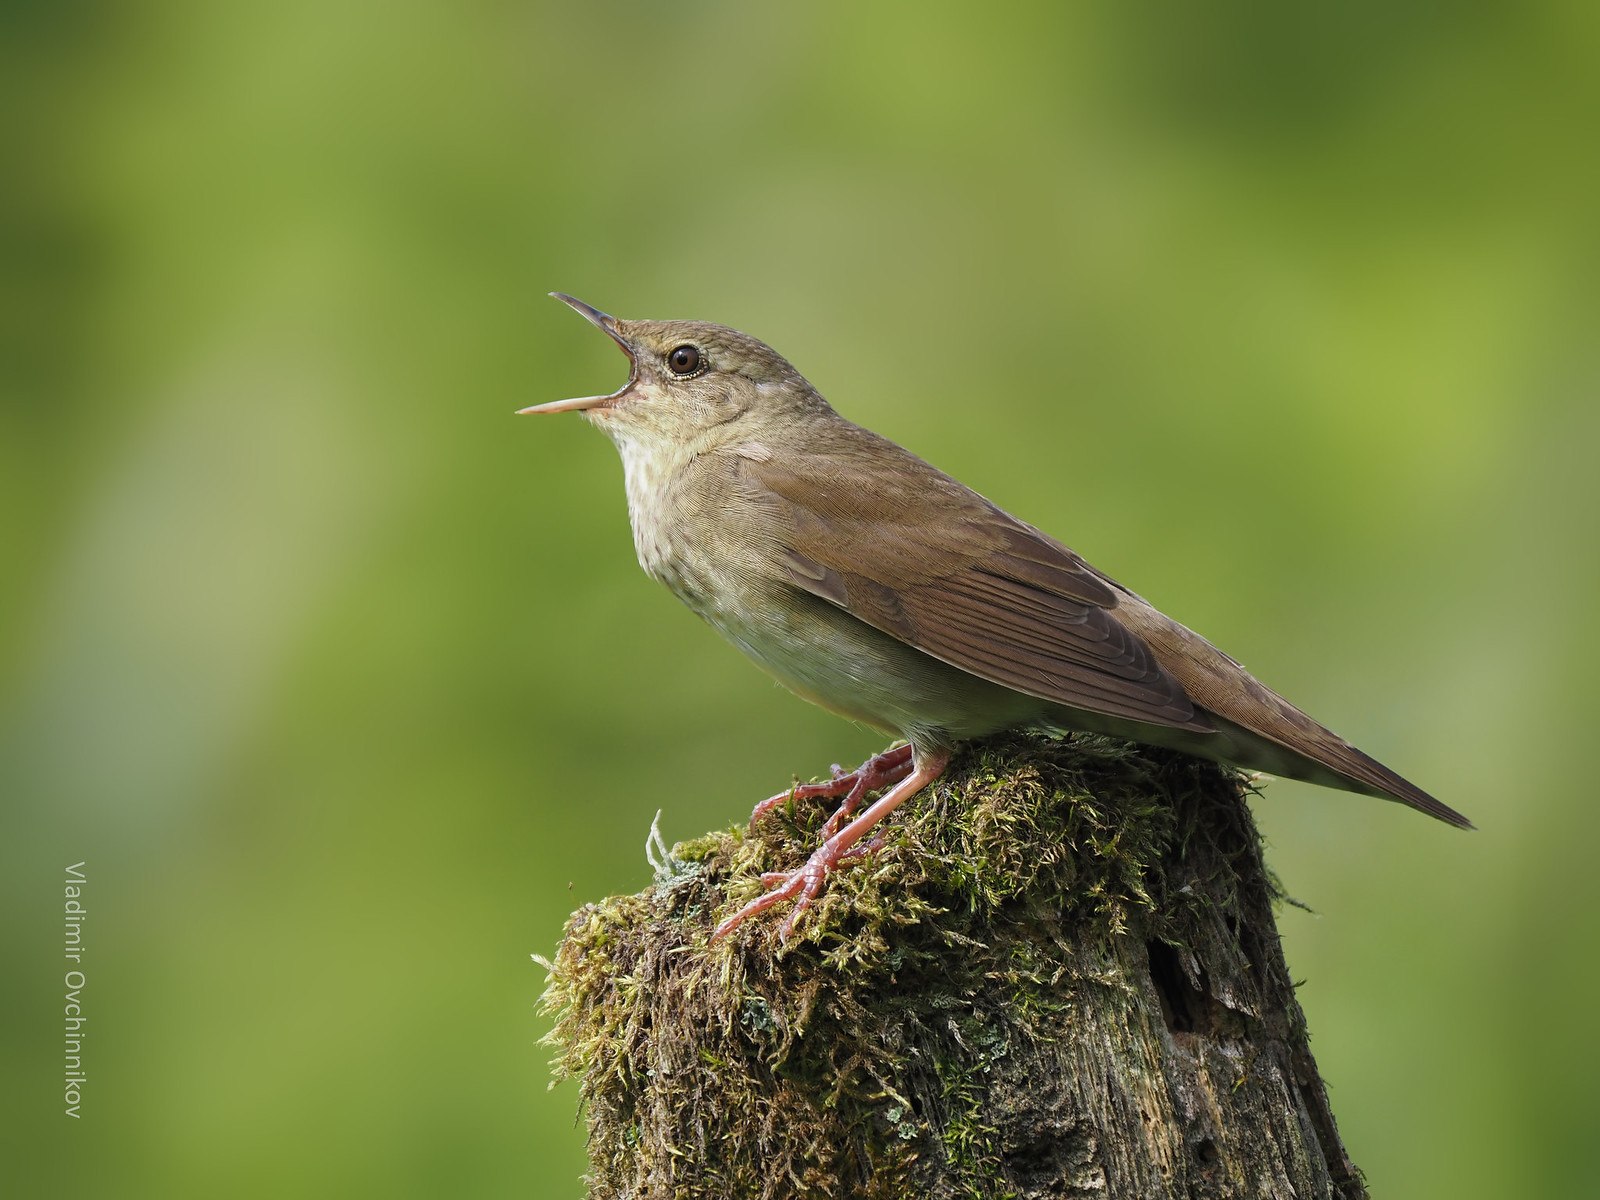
(909, 551)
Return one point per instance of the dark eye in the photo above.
(685, 360)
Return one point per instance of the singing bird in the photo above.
(879, 587)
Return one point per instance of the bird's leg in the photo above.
(878, 771)
(805, 884)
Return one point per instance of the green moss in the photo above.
(848, 1061)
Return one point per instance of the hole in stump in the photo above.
(1182, 1004)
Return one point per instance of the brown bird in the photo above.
(877, 586)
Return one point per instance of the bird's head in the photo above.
(691, 381)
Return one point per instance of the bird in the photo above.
(877, 586)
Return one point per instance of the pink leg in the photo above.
(879, 771)
(806, 883)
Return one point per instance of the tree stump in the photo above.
(1059, 977)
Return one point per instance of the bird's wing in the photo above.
(903, 547)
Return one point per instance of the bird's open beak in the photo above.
(609, 324)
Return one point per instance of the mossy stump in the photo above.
(1059, 977)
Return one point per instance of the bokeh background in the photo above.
(346, 687)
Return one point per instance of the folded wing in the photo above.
(915, 554)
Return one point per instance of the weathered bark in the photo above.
(1059, 977)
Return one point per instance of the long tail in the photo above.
(1327, 759)
(1257, 728)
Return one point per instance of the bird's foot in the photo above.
(804, 885)
(909, 776)
(877, 772)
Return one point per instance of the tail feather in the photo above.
(1333, 762)
(1258, 728)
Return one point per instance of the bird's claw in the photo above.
(908, 773)
(839, 843)
(803, 885)
(879, 771)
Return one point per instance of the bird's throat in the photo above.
(653, 471)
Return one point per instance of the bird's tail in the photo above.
(1257, 728)
(1320, 756)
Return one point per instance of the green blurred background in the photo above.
(345, 685)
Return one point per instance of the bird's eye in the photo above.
(685, 360)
